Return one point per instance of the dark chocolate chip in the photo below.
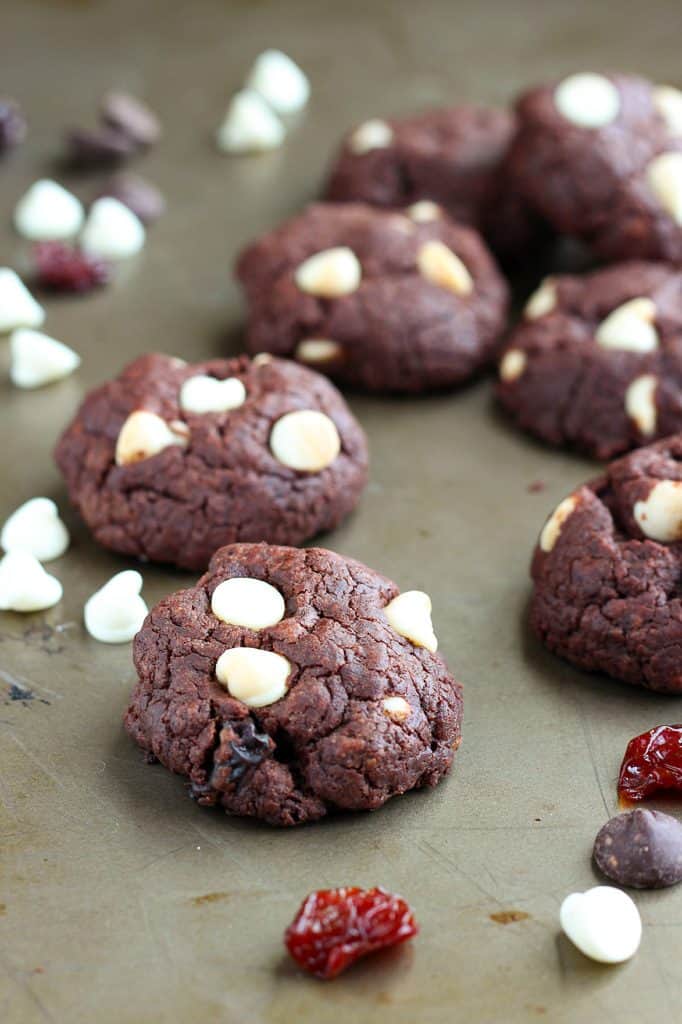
(251, 749)
(641, 849)
(12, 124)
(104, 145)
(138, 195)
(131, 117)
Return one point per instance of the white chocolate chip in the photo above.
(664, 175)
(203, 394)
(372, 134)
(588, 100)
(18, 308)
(660, 516)
(36, 527)
(48, 212)
(317, 350)
(243, 601)
(553, 526)
(25, 586)
(542, 301)
(424, 211)
(603, 923)
(668, 102)
(410, 615)
(640, 403)
(305, 440)
(330, 273)
(280, 81)
(630, 327)
(255, 677)
(442, 267)
(38, 359)
(115, 613)
(250, 125)
(112, 230)
(145, 434)
(513, 364)
(397, 708)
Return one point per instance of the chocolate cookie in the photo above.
(169, 461)
(607, 571)
(289, 683)
(378, 300)
(600, 157)
(596, 362)
(455, 157)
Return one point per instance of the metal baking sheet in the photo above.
(121, 901)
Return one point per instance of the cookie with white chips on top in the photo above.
(599, 156)
(378, 300)
(170, 461)
(289, 684)
(607, 571)
(596, 362)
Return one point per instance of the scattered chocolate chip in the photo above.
(138, 195)
(62, 268)
(93, 146)
(641, 849)
(131, 117)
(12, 124)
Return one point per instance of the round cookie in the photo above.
(607, 571)
(378, 300)
(600, 157)
(454, 156)
(596, 363)
(290, 683)
(170, 461)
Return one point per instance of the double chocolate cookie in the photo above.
(289, 683)
(607, 571)
(600, 157)
(455, 157)
(170, 461)
(394, 302)
(596, 363)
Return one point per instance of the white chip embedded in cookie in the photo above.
(542, 301)
(305, 440)
(659, 516)
(512, 364)
(410, 615)
(640, 403)
(243, 601)
(664, 175)
(553, 526)
(202, 394)
(145, 434)
(442, 267)
(423, 211)
(255, 677)
(397, 708)
(317, 351)
(630, 327)
(331, 273)
(372, 134)
(588, 100)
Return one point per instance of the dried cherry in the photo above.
(335, 927)
(652, 762)
(66, 269)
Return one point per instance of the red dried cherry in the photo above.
(66, 269)
(335, 927)
(652, 762)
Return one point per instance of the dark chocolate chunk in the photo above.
(143, 198)
(641, 849)
(94, 146)
(131, 117)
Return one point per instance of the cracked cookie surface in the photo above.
(375, 299)
(596, 363)
(333, 741)
(170, 461)
(607, 571)
(600, 157)
(455, 156)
